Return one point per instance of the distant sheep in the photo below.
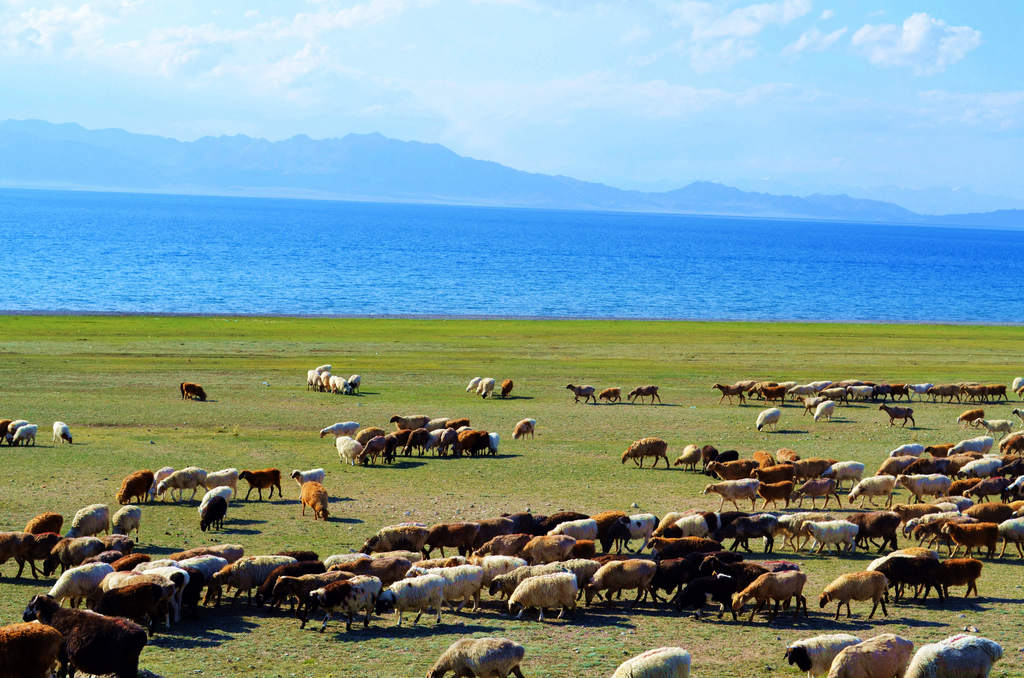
(261, 480)
(506, 388)
(314, 495)
(192, 391)
(61, 432)
(647, 447)
(585, 392)
(189, 478)
(641, 392)
(769, 418)
(485, 387)
(612, 395)
(342, 428)
(690, 456)
(524, 427)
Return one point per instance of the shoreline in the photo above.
(484, 317)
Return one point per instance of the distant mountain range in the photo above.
(373, 167)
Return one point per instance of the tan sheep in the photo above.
(690, 457)
(619, 575)
(314, 495)
(647, 447)
(735, 489)
(524, 427)
(856, 586)
(885, 656)
(773, 587)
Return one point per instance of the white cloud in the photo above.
(814, 40)
(827, 14)
(635, 34)
(991, 110)
(923, 43)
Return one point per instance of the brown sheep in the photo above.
(728, 391)
(734, 470)
(504, 545)
(939, 450)
(904, 413)
(506, 388)
(988, 486)
(373, 448)
(784, 455)
(585, 392)
(763, 458)
(647, 447)
(135, 487)
(493, 527)
(453, 535)
(990, 512)
(1014, 443)
(971, 535)
(472, 442)
(524, 427)
(970, 417)
(773, 492)
(191, 391)
(583, 548)
(612, 395)
(962, 486)
(771, 393)
(606, 520)
(547, 549)
(29, 650)
(128, 563)
(774, 474)
(417, 440)
(805, 469)
(262, 479)
(641, 392)
(45, 522)
(894, 466)
(817, 487)
(314, 495)
(664, 548)
(32, 547)
(365, 435)
(457, 423)
(960, 572)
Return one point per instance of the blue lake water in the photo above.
(109, 252)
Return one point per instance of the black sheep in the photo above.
(213, 514)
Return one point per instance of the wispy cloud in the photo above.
(813, 40)
(922, 43)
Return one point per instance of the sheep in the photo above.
(908, 449)
(871, 487)
(978, 444)
(90, 520)
(805, 469)
(27, 547)
(955, 657)
(157, 477)
(229, 552)
(459, 536)
(744, 528)
(377, 446)
(728, 391)
(78, 583)
(61, 432)
(364, 435)
(135, 486)
(341, 428)
(577, 529)
(856, 586)
(189, 478)
(735, 489)
(314, 495)
(1012, 531)
(314, 475)
(472, 442)
(894, 466)
(824, 410)
(45, 522)
(612, 395)
(227, 477)
(485, 387)
(690, 456)
(261, 479)
(876, 525)
(814, 488)
(91, 643)
(735, 470)
(616, 576)
(972, 535)
(768, 418)
(662, 662)
(1012, 444)
(69, 552)
(814, 655)
(640, 392)
(506, 388)
(223, 491)
(481, 657)
(844, 470)
(778, 587)
(349, 597)
(988, 486)
(28, 650)
(641, 526)
(932, 485)
(296, 589)
(127, 519)
(763, 459)
(557, 589)
(495, 566)
(473, 383)
(397, 537)
(243, 575)
(524, 427)
(418, 439)
(585, 392)
(414, 594)
(312, 380)
(493, 440)
(793, 527)
(960, 572)
(503, 585)
(297, 569)
(647, 447)
(547, 549)
(883, 656)
(774, 492)
(834, 532)
(980, 468)
(23, 435)
(860, 392)
(462, 583)
(970, 418)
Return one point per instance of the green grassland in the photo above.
(115, 381)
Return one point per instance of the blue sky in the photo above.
(788, 95)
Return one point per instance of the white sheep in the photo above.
(793, 527)
(641, 526)
(732, 490)
(312, 380)
(342, 428)
(325, 381)
(801, 390)
(908, 450)
(769, 417)
(208, 564)
(344, 559)
(979, 444)
(219, 491)
(480, 657)
(23, 435)
(558, 589)
(495, 566)
(825, 410)
(1012, 532)
(787, 384)
(492, 442)
(157, 477)
(462, 583)
(577, 529)
(337, 384)
(833, 532)
(912, 552)
(883, 656)
(90, 520)
(873, 486)
(353, 383)
(188, 478)
(348, 449)
(693, 526)
(473, 383)
(485, 387)
(126, 519)
(227, 477)
(61, 432)
(980, 468)
(814, 655)
(1017, 383)
(844, 470)
(860, 392)
(662, 662)
(930, 485)
(322, 369)
(415, 594)
(315, 475)
(920, 389)
(79, 582)
(690, 456)
(994, 426)
(960, 656)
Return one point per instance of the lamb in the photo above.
(769, 418)
(524, 427)
(704, 590)
(616, 576)
(90, 520)
(856, 586)
(814, 655)
(135, 487)
(883, 656)
(312, 475)
(91, 643)
(871, 487)
(244, 574)
(834, 532)
(459, 536)
(647, 447)
(314, 495)
(779, 587)
(553, 590)
(824, 410)
(817, 487)
(397, 537)
(494, 438)
(971, 535)
(577, 529)
(690, 456)
(414, 594)
(844, 470)
(585, 392)
(1012, 531)
(932, 485)
(189, 478)
(28, 650)
(348, 597)
(78, 583)
(485, 387)
(662, 662)
(547, 549)
(481, 657)
(223, 491)
(127, 519)
(956, 656)
(23, 435)
(735, 489)
(612, 395)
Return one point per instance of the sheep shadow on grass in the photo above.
(791, 431)
(245, 521)
(345, 521)
(384, 627)
(209, 630)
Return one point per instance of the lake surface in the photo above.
(109, 252)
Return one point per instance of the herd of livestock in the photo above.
(961, 495)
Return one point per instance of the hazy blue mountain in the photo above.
(374, 167)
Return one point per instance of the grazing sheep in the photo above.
(462, 583)
(135, 487)
(192, 391)
(472, 442)
(229, 552)
(459, 536)
(71, 552)
(844, 470)
(662, 662)
(932, 485)
(348, 597)
(410, 423)
(769, 418)
(524, 427)
(834, 532)
(262, 479)
(222, 491)
(612, 395)
(883, 656)
(314, 495)
(78, 583)
(397, 537)
(547, 549)
(506, 388)
(824, 410)
(484, 388)
(585, 392)
(415, 594)
(28, 650)
(817, 487)
(856, 586)
(814, 655)
(127, 519)
(690, 456)
(555, 590)
(647, 447)
(971, 535)
(617, 576)
(641, 392)
(473, 383)
(735, 489)
(364, 435)
(90, 520)
(955, 657)
(777, 587)
(45, 522)
(157, 477)
(23, 435)
(61, 432)
(736, 470)
(481, 657)
(189, 478)
(908, 449)
(871, 487)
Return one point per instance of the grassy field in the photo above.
(115, 381)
